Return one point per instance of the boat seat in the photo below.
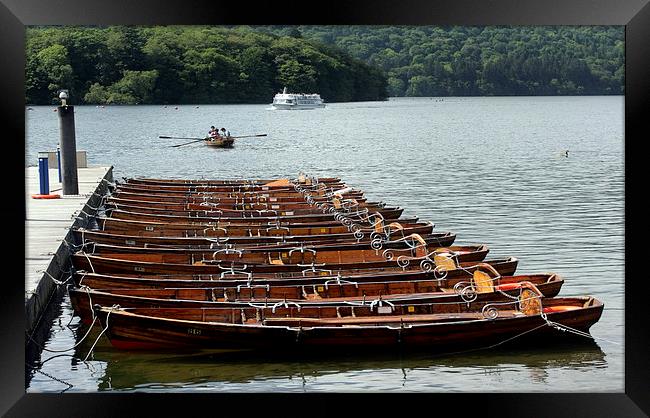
(379, 226)
(280, 182)
(444, 263)
(277, 262)
(529, 302)
(482, 282)
(421, 249)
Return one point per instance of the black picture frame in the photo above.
(16, 14)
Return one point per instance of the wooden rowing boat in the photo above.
(325, 293)
(220, 143)
(284, 184)
(226, 229)
(239, 202)
(92, 238)
(83, 235)
(274, 208)
(217, 197)
(411, 246)
(217, 182)
(431, 325)
(162, 261)
(310, 275)
(388, 214)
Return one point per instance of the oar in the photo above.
(176, 137)
(249, 136)
(187, 143)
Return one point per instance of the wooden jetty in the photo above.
(48, 225)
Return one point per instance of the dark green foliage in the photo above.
(491, 60)
(249, 64)
(189, 64)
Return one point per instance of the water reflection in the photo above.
(130, 371)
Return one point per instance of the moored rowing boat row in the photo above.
(299, 262)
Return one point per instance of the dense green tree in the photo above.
(190, 64)
(492, 60)
(248, 64)
(135, 87)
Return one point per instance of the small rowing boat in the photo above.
(159, 261)
(431, 325)
(310, 275)
(100, 237)
(227, 142)
(328, 292)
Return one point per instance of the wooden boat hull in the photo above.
(208, 247)
(211, 182)
(152, 328)
(165, 263)
(243, 203)
(219, 143)
(100, 237)
(218, 209)
(396, 292)
(399, 292)
(218, 196)
(226, 229)
(180, 190)
(248, 217)
(505, 267)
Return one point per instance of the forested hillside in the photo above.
(249, 64)
(491, 60)
(188, 64)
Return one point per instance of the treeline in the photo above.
(249, 64)
(189, 64)
(491, 60)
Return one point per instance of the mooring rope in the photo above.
(57, 282)
(90, 301)
(101, 333)
(89, 263)
(566, 328)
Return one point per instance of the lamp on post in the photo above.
(68, 146)
(63, 95)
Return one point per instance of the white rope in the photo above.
(562, 327)
(101, 333)
(57, 282)
(91, 264)
(90, 301)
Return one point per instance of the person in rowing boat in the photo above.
(214, 133)
(225, 133)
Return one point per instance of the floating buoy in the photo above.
(46, 196)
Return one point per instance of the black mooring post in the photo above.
(68, 144)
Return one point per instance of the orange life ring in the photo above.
(46, 196)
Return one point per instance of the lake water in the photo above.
(492, 170)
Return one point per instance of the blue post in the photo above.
(43, 173)
(58, 160)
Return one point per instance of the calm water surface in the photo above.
(492, 170)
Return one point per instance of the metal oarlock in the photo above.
(227, 251)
